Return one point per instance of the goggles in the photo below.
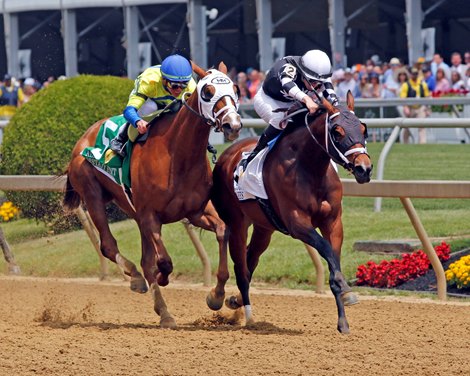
(315, 83)
(177, 85)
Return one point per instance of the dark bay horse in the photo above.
(305, 192)
(171, 180)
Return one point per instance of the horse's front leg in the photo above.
(156, 272)
(338, 284)
(209, 220)
(333, 233)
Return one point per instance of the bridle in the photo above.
(223, 91)
(330, 147)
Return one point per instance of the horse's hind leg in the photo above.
(210, 220)
(259, 242)
(108, 245)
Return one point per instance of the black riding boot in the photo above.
(118, 143)
(269, 134)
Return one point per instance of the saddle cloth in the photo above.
(249, 184)
(104, 159)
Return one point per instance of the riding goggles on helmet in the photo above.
(177, 85)
(315, 76)
(311, 75)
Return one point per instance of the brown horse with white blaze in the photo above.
(171, 180)
(305, 193)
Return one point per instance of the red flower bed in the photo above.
(397, 271)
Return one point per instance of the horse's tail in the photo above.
(71, 199)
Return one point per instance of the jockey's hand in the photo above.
(142, 126)
(310, 104)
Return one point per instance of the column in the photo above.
(132, 41)
(414, 19)
(337, 25)
(12, 42)
(197, 26)
(265, 30)
(69, 35)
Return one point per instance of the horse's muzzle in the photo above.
(362, 173)
(232, 128)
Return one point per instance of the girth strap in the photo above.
(273, 218)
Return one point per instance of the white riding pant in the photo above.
(264, 106)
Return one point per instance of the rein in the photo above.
(206, 120)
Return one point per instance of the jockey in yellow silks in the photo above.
(156, 88)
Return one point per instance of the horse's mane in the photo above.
(153, 121)
(298, 121)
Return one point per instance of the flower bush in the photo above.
(459, 273)
(397, 271)
(448, 93)
(8, 211)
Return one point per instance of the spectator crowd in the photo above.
(388, 79)
(16, 92)
(377, 79)
(372, 79)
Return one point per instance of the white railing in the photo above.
(393, 102)
(50, 183)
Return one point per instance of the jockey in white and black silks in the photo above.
(289, 80)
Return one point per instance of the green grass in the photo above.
(286, 262)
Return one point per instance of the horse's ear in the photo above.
(222, 67)
(198, 70)
(329, 107)
(350, 100)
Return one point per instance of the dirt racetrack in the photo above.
(84, 327)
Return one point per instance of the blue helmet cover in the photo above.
(176, 68)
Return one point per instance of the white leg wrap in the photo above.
(248, 312)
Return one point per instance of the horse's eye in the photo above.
(336, 134)
(207, 93)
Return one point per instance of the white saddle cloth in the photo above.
(250, 183)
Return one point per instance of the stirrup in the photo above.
(118, 148)
(244, 162)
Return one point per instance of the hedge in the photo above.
(40, 137)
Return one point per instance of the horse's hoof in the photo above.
(232, 303)
(349, 299)
(343, 326)
(168, 323)
(139, 285)
(14, 270)
(213, 302)
(162, 280)
(250, 322)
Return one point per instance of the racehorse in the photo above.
(305, 193)
(171, 180)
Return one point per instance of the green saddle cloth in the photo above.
(103, 158)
